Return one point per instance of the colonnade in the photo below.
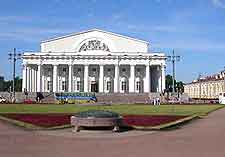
(33, 78)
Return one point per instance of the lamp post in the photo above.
(14, 57)
(173, 58)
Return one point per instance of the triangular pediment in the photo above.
(95, 30)
(94, 39)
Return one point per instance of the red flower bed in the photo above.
(43, 120)
(52, 120)
(147, 120)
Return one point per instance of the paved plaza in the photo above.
(204, 137)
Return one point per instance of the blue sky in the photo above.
(195, 29)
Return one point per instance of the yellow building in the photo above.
(206, 88)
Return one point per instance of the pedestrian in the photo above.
(158, 101)
(154, 101)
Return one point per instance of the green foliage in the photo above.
(18, 84)
(7, 85)
(1, 83)
(169, 83)
(179, 86)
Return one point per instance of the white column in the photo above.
(33, 80)
(24, 78)
(150, 82)
(101, 78)
(85, 78)
(28, 78)
(70, 77)
(39, 78)
(55, 78)
(147, 79)
(132, 79)
(116, 79)
(159, 73)
(43, 87)
(163, 78)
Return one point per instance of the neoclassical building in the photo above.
(94, 61)
(206, 88)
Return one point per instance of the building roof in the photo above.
(215, 77)
(92, 30)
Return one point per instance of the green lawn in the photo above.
(122, 109)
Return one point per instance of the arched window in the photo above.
(94, 45)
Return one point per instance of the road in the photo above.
(201, 138)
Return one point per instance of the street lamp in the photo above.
(14, 56)
(173, 59)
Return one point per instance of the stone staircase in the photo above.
(110, 98)
(131, 98)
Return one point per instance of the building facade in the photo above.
(94, 61)
(206, 88)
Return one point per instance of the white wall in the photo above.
(116, 43)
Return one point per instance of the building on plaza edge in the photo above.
(208, 87)
(94, 61)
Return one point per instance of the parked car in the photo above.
(2, 100)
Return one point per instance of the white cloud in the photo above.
(219, 3)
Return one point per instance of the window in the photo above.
(138, 85)
(49, 72)
(123, 70)
(79, 69)
(138, 69)
(124, 85)
(108, 85)
(63, 85)
(64, 69)
(78, 85)
(94, 69)
(48, 85)
(108, 70)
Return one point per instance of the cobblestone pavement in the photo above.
(201, 138)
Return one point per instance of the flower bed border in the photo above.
(31, 126)
(167, 125)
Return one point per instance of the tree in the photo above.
(18, 84)
(6, 86)
(169, 83)
(179, 86)
(1, 83)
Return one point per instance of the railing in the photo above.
(76, 96)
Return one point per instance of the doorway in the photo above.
(94, 86)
